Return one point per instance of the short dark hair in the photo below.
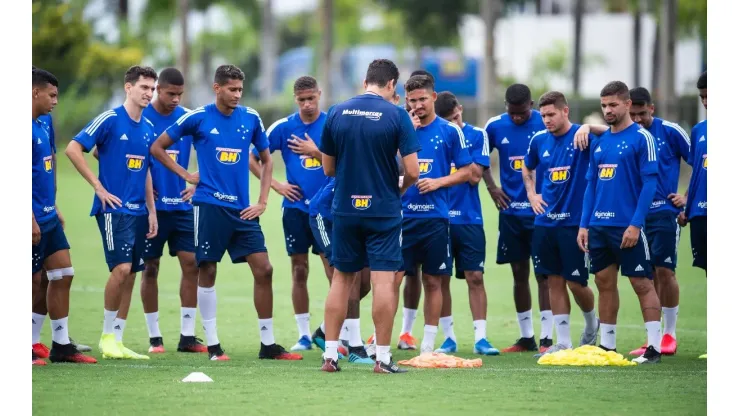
(446, 104)
(518, 94)
(171, 76)
(702, 82)
(135, 72)
(226, 73)
(41, 78)
(380, 71)
(422, 72)
(640, 96)
(618, 88)
(418, 82)
(555, 98)
(305, 83)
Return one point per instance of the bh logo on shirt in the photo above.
(607, 172)
(361, 202)
(517, 162)
(228, 156)
(560, 174)
(425, 166)
(704, 163)
(134, 163)
(310, 163)
(173, 154)
(49, 164)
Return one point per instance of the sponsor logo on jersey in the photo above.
(173, 154)
(135, 163)
(310, 163)
(517, 162)
(560, 174)
(228, 156)
(48, 164)
(361, 202)
(425, 166)
(607, 171)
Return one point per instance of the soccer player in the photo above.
(426, 238)
(175, 220)
(294, 137)
(124, 201)
(50, 249)
(467, 237)
(224, 218)
(510, 133)
(363, 135)
(558, 208)
(622, 178)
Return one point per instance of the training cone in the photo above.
(197, 378)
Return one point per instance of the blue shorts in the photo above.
(218, 229)
(699, 241)
(468, 244)
(663, 234)
(603, 250)
(514, 238)
(360, 242)
(176, 228)
(297, 231)
(556, 252)
(321, 229)
(124, 238)
(426, 242)
(52, 240)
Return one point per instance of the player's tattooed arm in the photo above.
(535, 199)
(497, 194)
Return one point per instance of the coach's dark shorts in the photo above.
(468, 243)
(176, 229)
(297, 232)
(663, 234)
(218, 229)
(556, 252)
(372, 241)
(124, 238)
(426, 242)
(603, 248)
(514, 238)
(321, 229)
(699, 241)
(52, 240)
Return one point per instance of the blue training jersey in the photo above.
(49, 125)
(222, 144)
(620, 163)
(672, 144)
(696, 204)
(465, 206)
(564, 168)
(512, 142)
(304, 171)
(43, 190)
(364, 134)
(321, 202)
(167, 184)
(123, 152)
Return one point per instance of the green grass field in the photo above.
(510, 384)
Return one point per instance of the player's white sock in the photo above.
(670, 316)
(562, 327)
(546, 324)
(446, 323)
(653, 334)
(479, 328)
(60, 331)
(383, 354)
(304, 324)
(37, 322)
(344, 333)
(323, 327)
(526, 329)
(267, 337)
(430, 334)
(187, 321)
(108, 318)
(409, 316)
(331, 350)
(119, 325)
(152, 324)
(591, 322)
(207, 307)
(355, 339)
(609, 336)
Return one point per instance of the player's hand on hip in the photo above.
(583, 239)
(253, 211)
(193, 178)
(678, 200)
(629, 239)
(427, 185)
(499, 198)
(107, 199)
(187, 193)
(36, 233)
(290, 191)
(153, 225)
(538, 204)
(682, 219)
(581, 138)
(302, 146)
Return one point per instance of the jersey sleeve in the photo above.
(479, 150)
(259, 137)
(408, 142)
(692, 146)
(648, 161)
(186, 125)
(274, 135)
(491, 133)
(328, 146)
(95, 132)
(532, 158)
(52, 137)
(460, 152)
(680, 142)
